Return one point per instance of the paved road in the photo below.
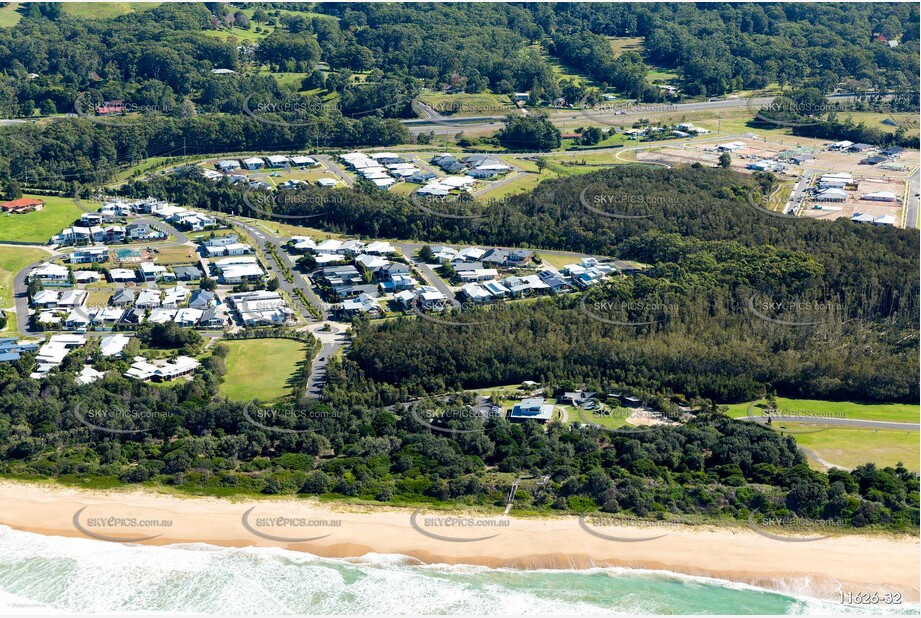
(409, 250)
(334, 167)
(834, 422)
(333, 340)
(263, 238)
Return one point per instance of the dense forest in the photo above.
(187, 437)
(161, 59)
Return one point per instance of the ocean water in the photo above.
(43, 574)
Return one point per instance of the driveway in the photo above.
(332, 340)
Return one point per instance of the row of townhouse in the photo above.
(492, 257)
(306, 244)
(257, 163)
(117, 317)
(113, 234)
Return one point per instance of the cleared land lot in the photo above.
(38, 227)
(261, 368)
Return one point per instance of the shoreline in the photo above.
(808, 566)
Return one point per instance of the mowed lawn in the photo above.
(892, 412)
(38, 227)
(854, 447)
(12, 260)
(260, 368)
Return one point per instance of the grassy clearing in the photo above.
(9, 15)
(853, 447)
(891, 412)
(287, 230)
(873, 119)
(460, 105)
(106, 10)
(39, 226)
(622, 44)
(559, 261)
(12, 260)
(261, 368)
(181, 254)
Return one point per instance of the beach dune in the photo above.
(793, 563)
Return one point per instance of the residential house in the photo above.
(77, 320)
(363, 303)
(202, 299)
(122, 298)
(145, 232)
(50, 272)
(113, 345)
(533, 408)
(212, 317)
(253, 163)
(72, 298)
(175, 296)
(149, 298)
(154, 272)
(278, 161)
(87, 276)
(187, 273)
(22, 205)
(122, 275)
(476, 293)
(161, 315)
(45, 299)
(90, 255)
(188, 317)
(227, 165)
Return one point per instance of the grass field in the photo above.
(892, 412)
(12, 260)
(559, 261)
(38, 227)
(106, 10)
(853, 447)
(261, 368)
(9, 16)
(873, 119)
(459, 105)
(622, 44)
(287, 230)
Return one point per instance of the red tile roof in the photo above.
(22, 202)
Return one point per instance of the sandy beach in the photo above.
(802, 565)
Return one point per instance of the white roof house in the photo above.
(50, 271)
(278, 160)
(112, 345)
(161, 316)
(188, 317)
(327, 182)
(329, 246)
(302, 160)
(831, 195)
(880, 196)
(476, 293)
(380, 247)
(122, 274)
